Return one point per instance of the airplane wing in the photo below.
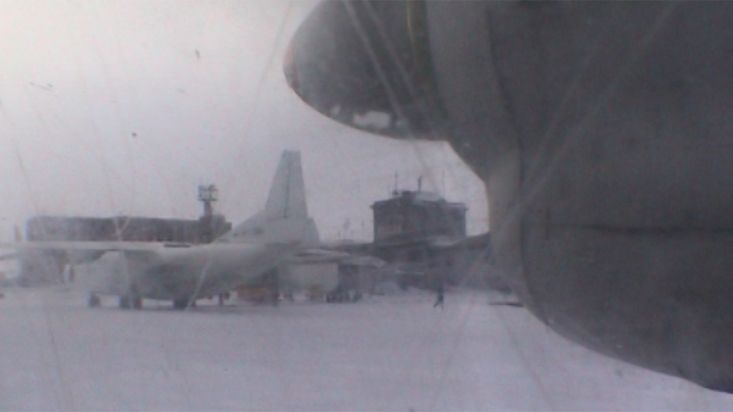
(315, 255)
(9, 256)
(87, 251)
(90, 246)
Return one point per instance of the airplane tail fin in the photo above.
(285, 217)
(287, 193)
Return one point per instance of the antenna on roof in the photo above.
(395, 192)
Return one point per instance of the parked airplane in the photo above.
(182, 272)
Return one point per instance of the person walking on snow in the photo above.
(439, 298)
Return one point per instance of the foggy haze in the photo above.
(125, 107)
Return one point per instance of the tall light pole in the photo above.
(208, 194)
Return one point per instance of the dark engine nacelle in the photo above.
(603, 133)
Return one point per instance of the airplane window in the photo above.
(449, 206)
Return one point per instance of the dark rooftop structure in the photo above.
(423, 237)
(125, 228)
(411, 215)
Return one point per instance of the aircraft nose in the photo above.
(364, 64)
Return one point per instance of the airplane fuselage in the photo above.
(176, 273)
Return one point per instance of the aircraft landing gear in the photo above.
(130, 302)
(180, 304)
(223, 297)
(94, 301)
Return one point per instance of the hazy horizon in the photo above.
(114, 108)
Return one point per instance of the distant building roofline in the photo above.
(419, 197)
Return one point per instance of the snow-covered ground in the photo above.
(385, 353)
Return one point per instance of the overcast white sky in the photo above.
(111, 107)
